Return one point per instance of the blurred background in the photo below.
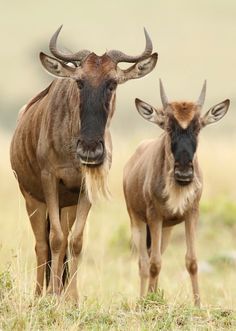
(195, 41)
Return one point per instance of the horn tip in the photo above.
(59, 29)
(204, 84)
(146, 33)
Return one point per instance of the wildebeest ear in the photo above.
(150, 113)
(138, 70)
(215, 113)
(56, 67)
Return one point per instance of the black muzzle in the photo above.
(91, 154)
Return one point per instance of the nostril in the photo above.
(100, 147)
(90, 152)
(99, 151)
(80, 150)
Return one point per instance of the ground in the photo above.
(108, 272)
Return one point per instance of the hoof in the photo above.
(53, 291)
(72, 297)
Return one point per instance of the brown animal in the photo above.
(163, 184)
(61, 151)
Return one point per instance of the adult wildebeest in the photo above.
(61, 150)
(163, 183)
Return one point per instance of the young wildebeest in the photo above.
(61, 150)
(163, 183)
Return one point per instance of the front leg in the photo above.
(190, 258)
(68, 215)
(155, 226)
(50, 188)
(76, 243)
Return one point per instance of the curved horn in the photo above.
(118, 56)
(164, 98)
(202, 96)
(79, 56)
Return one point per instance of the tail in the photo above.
(66, 274)
(148, 238)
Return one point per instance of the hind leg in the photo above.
(68, 216)
(37, 215)
(166, 232)
(139, 235)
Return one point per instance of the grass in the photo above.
(151, 313)
(108, 273)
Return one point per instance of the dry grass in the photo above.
(108, 275)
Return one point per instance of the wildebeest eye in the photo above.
(111, 86)
(80, 84)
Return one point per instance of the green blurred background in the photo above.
(196, 40)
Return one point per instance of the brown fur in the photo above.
(184, 112)
(154, 198)
(97, 68)
(44, 144)
(48, 169)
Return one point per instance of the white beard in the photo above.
(96, 181)
(179, 198)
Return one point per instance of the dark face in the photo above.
(96, 85)
(183, 148)
(95, 108)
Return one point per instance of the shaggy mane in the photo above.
(180, 197)
(96, 182)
